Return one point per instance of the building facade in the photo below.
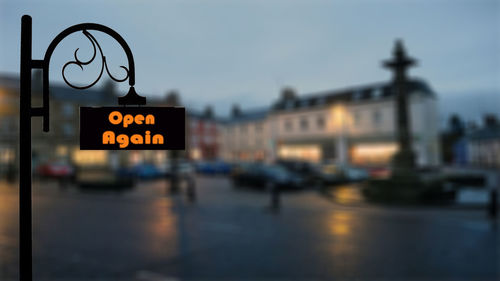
(246, 136)
(205, 132)
(483, 144)
(354, 125)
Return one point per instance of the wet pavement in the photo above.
(230, 234)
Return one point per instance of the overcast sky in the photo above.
(222, 52)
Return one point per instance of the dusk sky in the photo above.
(223, 52)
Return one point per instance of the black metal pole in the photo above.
(493, 204)
(275, 197)
(26, 112)
(174, 167)
(25, 234)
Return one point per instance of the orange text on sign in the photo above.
(116, 118)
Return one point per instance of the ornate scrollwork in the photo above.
(80, 64)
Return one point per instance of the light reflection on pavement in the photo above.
(146, 234)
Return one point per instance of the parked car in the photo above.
(140, 171)
(147, 171)
(379, 172)
(265, 176)
(310, 172)
(104, 179)
(351, 173)
(184, 168)
(330, 174)
(56, 169)
(335, 173)
(213, 168)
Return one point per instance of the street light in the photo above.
(27, 111)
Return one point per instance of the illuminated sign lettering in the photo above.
(132, 128)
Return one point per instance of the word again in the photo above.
(108, 137)
(115, 118)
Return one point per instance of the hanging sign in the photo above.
(132, 128)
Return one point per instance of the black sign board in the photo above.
(132, 128)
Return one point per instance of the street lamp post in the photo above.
(27, 111)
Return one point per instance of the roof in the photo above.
(61, 92)
(485, 133)
(249, 115)
(87, 96)
(359, 93)
(9, 81)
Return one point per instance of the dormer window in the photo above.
(289, 104)
(357, 95)
(377, 93)
(321, 101)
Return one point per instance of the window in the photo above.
(377, 93)
(320, 122)
(357, 117)
(357, 95)
(194, 124)
(289, 104)
(321, 101)
(288, 125)
(304, 123)
(243, 129)
(67, 129)
(377, 117)
(194, 140)
(68, 110)
(7, 124)
(258, 127)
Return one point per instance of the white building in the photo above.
(483, 147)
(354, 125)
(246, 136)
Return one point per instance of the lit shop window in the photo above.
(195, 154)
(6, 155)
(136, 158)
(303, 152)
(90, 157)
(160, 157)
(61, 150)
(373, 153)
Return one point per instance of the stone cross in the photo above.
(399, 64)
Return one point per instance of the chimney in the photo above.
(208, 112)
(490, 121)
(172, 98)
(288, 94)
(235, 111)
